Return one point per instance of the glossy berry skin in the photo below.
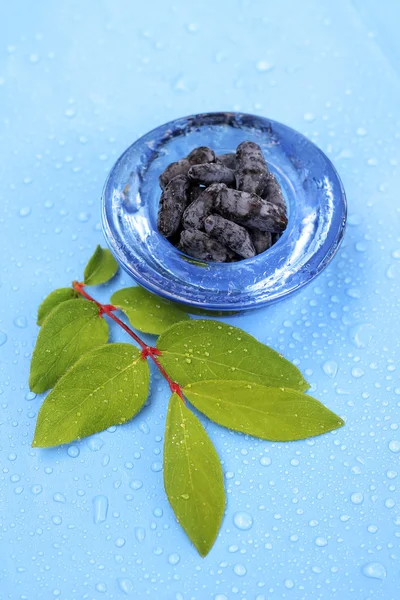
(199, 209)
(212, 173)
(200, 245)
(250, 210)
(174, 200)
(229, 160)
(273, 193)
(200, 155)
(251, 168)
(262, 240)
(231, 235)
(195, 191)
(180, 167)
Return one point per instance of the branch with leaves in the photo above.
(225, 373)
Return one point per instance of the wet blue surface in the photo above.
(316, 519)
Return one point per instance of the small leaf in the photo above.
(204, 350)
(54, 299)
(148, 312)
(70, 330)
(101, 267)
(193, 476)
(107, 386)
(276, 414)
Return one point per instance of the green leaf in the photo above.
(54, 299)
(276, 414)
(70, 330)
(148, 312)
(193, 476)
(101, 267)
(204, 350)
(107, 386)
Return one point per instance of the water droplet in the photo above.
(125, 585)
(25, 211)
(174, 558)
(34, 58)
(158, 512)
(3, 338)
(101, 587)
(309, 117)
(56, 520)
(360, 247)
(361, 131)
(391, 272)
(30, 396)
(321, 542)
(243, 521)
(357, 372)
(100, 508)
(95, 443)
(265, 461)
(180, 84)
(330, 367)
(144, 428)
(240, 570)
(185, 496)
(83, 217)
(106, 460)
(140, 534)
(372, 528)
(394, 446)
(289, 584)
(73, 451)
(263, 66)
(69, 113)
(156, 466)
(20, 322)
(119, 542)
(354, 220)
(58, 497)
(36, 489)
(362, 335)
(136, 484)
(374, 570)
(357, 498)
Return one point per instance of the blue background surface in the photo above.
(78, 83)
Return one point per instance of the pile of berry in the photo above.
(221, 208)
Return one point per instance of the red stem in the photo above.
(146, 350)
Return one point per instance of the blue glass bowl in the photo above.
(312, 188)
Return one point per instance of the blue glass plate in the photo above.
(312, 188)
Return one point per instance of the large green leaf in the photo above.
(148, 312)
(107, 386)
(193, 476)
(101, 267)
(54, 299)
(70, 330)
(275, 414)
(203, 350)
